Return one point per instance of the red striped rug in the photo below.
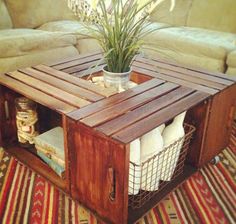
(207, 197)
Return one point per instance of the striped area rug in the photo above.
(207, 197)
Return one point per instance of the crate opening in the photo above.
(149, 178)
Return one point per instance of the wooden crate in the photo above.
(57, 94)
(99, 124)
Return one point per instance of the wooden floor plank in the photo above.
(49, 89)
(63, 85)
(149, 123)
(38, 96)
(106, 103)
(126, 105)
(77, 81)
(143, 111)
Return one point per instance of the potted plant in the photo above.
(119, 27)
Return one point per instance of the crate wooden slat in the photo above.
(182, 76)
(76, 81)
(77, 57)
(121, 122)
(48, 89)
(61, 84)
(177, 67)
(118, 109)
(100, 105)
(97, 70)
(77, 62)
(155, 74)
(149, 123)
(40, 97)
(82, 67)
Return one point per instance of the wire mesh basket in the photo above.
(147, 179)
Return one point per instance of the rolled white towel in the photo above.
(169, 158)
(151, 144)
(134, 170)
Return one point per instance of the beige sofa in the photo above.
(203, 34)
(24, 43)
(199, 33)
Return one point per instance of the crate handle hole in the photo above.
(6, 108)
(112, 184)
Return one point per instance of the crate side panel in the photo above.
(220, 123)
(100, 174)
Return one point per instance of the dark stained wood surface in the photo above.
(100, 105)
(133, 113)
(178, 67)
(82, 57)
(101, 131)
(155, 74)
(120, 108)
(2, 115)
(198, 116)
(37, 165)
(99, 124)
(54, 89)
(188, 78)
(147, 124)
(143, 111)
(82, 65)
(100, 174)
(71, 88)
(76, 81)
(38, 96)
(46, 88)
(222, 112)
(78, 61)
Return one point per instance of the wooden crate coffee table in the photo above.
(99, 124)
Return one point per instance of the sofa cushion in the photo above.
(15, 42)
(5, 19)
(231, 59)
(196, 47)
(33, 13)
(35, 58)
(71, 26)
(78, 28)
(213, 14)
(232, 71)
(197, 41)
(84, 44)
(176, 17)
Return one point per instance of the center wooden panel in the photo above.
(99, 173)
